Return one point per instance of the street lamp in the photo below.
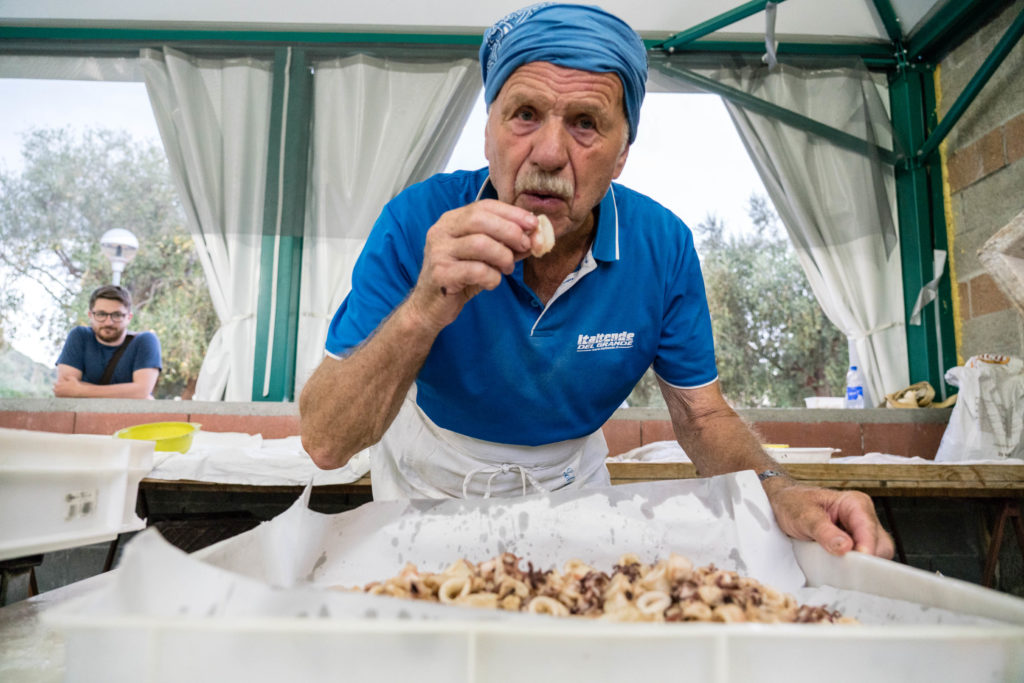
(119, 246)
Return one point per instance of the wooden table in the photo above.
(937, 481)
(919, 480)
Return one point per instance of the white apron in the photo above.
(418, 459)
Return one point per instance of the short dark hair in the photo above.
(111, 292)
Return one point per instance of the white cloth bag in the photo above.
(988, 419)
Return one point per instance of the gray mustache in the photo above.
(536, 182)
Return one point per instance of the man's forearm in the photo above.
(348, 404)
(723, 443)
(713, 434)
(122, 390)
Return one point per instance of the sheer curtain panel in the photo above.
(380, 124)
(213, 116)
(836, 204)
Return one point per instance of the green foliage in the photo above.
(72, 189)
(773, 343)
(23, 377)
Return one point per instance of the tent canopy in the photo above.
(832, 22)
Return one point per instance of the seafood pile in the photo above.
(671, 589)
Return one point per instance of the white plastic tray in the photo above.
(317, 646)
(242, 619)
(65, 490)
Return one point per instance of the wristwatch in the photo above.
(768, 474)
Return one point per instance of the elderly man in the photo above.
(103, 360)
(473, 365)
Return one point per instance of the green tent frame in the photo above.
(908, 61)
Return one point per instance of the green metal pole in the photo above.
(977, 82)
(711, 25)
(951, 23)
(283, 217)
(919, 223)
(791, 118)
(942, 307)
(890, 20)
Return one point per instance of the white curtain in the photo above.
(214, 117)
(379, 126)
(838, 205)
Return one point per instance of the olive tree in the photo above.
(773, 344)
(72, 188)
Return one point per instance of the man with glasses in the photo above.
(103, 360)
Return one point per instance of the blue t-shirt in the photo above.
(509, 370)
(83, 351)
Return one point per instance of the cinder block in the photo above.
(1013, 135)
(963, 292)
(986, 297)
(993, 155)
(1002, 98)
(964, 167)
(965, 250)
(1001, 332)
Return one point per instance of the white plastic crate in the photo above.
(116, 645)
(233, 611)
(65, 490)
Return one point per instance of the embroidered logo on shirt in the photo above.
(605, 341)
(569, 475)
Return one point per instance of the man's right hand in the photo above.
(466, 251)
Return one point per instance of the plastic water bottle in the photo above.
(854, 388)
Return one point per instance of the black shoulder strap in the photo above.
(108, 372)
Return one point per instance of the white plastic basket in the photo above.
(116, 646)
(65, 490)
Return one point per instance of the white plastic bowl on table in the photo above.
(66, 490)
(801, 454)
(825, 402)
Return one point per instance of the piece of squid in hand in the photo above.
(543, 238)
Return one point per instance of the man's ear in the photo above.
(620, 163)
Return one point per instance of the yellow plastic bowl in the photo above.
(168, 436)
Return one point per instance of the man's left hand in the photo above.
(839, 521)
(66, 385)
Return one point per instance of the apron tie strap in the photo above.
(505, 468)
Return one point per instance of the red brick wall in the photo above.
(852, 438)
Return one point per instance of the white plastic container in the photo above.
(317, 647)
(65, 490)
(800, 454)
(825, 402)
(241, 610)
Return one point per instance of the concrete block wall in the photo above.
(985, 172)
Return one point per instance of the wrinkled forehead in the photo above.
(544, 79)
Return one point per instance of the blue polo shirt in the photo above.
(509, 369)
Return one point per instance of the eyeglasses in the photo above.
(116, 316)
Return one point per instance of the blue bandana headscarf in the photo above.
(574, 36)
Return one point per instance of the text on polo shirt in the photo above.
(605, 341)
